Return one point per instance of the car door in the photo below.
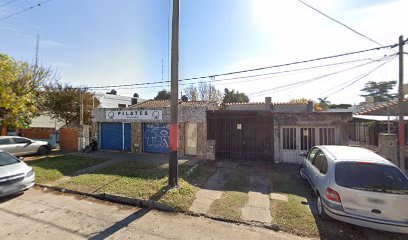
(6, 145)
(319, 169)
(309, 165)
(21, 146)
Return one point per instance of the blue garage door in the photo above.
(116, 136)
(156, 138)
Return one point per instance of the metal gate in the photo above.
(295, 140)
(156, 138)
(241, 135)
(116, 136)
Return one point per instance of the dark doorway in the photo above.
(241, 135)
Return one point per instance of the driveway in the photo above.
(39, 214)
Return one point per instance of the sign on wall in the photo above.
(135, 115)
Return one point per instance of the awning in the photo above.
(378, 117)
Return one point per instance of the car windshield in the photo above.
(371, 177)
(7, 159)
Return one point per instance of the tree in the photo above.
(162, 95)
(379, 91)
(233, 97)
(20, 85)
(324, 103)
(208, 92)
(316, 106)
(64, 103)
(191, 92)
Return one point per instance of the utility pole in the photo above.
(81, 108)
(400, 104)
(173, 158)
(37, 48)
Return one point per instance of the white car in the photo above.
(15, 175)
(20, 146)
(357, 186)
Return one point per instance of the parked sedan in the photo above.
(15, 175)
(357, 186)
(20, 146)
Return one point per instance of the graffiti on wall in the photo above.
(156, 138)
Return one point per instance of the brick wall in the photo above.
(69, 139)
(38, 133)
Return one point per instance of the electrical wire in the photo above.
(258, 75)
(299, 83)
(355, 80)
(24, 10)
(255, 69)
(342, 24)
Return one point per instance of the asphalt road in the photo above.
(39, 214)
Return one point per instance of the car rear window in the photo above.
(7, 159)
(370, 176)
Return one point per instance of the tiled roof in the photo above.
(388, 104)
(166, 104)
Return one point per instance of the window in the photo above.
(5, 141)
(327, 136)
(370, 176)
(21, 140)
(121, 105)
(307, 138)
(289, 138)
(312, 154)
(320, 162)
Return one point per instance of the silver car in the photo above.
(15, 175)
(20, 146)
(357, 186)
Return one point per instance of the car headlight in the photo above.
(30, 173)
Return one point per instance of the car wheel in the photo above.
(43, 150)
(302, 173)
(320, 209)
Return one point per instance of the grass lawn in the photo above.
(52, 168)
(234, 197)
(292, 216)
(143, 180)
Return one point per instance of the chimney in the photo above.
(309, 107)
(268, 101)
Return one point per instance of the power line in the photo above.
(342, 24)
(256, 69)
(24, 10)
(7, 3)
(360, 78)
(298, 83)
(252, 76)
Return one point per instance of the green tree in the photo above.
(324, 103)
(233, 97)
(162, 95)
(379, 91)
(64, 103)
(20, 86)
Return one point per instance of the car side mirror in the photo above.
(21, 158)
(303, 154)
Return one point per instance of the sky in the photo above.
(93, 43)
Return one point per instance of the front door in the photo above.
(296, 140)
(191, 139)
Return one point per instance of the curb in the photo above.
(156, 205)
